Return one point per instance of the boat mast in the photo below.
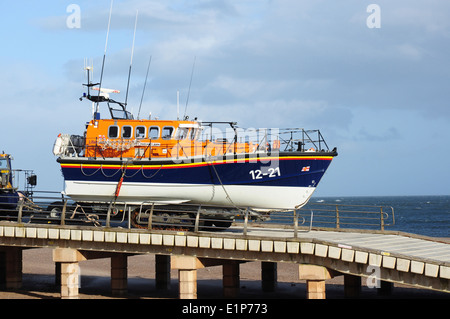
(131, 61)
(189, 91)
(145, 84)
(104, 57)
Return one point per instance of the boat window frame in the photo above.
(118, 131)
(169, 137)
(193, 133)
(136, 131)
(6, 166)
(131, 132)
(184, 131)
(158, 130)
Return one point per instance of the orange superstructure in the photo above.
(125, 138)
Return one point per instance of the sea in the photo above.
(422, 215)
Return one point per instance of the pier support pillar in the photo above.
(119, 274)
(231, 279)
(315, 277)
(70, 271)
(316, 289)
(70, 274)
(11, 267)
(187, 283)
(269, 276)
(162, 272)
(187, 275)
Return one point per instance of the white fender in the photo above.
(57, 146)
(60, 145)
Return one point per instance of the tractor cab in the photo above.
(6, 174)
(9, 183)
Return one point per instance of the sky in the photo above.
(373, 76)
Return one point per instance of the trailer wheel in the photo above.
(223, 224)
(55, 209)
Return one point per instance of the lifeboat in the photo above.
(136, 161)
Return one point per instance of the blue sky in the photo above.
(380, 95)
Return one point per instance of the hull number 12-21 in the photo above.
(271, 172)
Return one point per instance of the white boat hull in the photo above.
(256, 197)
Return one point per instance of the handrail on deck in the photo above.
(346, 215)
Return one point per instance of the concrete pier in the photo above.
(315, 277)
(70, 271)
(11, 267)
(268, 276)
(321, 255)
(231, 279)
(162, 272)
(119, 274)
(187, 275)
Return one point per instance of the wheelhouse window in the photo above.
(3, 163)
(140, 132)
(113, 131)
(193, 134)
(167, 132)
(153, 133)
(127, 131)
(182, 133)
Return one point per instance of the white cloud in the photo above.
(246, 89)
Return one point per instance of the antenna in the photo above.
(89, 67)
(189, 91)
(145, 84)
(178, 105)
(131, 61)
(104, 55)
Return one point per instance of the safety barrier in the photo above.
(51, 209)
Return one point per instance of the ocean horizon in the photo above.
(427, 215)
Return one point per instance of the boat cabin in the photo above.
(116, 138)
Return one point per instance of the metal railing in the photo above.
(221, 141)
(352, 216)
(59, 210)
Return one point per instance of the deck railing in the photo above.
(351, 216)
(53, 209)
(212, 141)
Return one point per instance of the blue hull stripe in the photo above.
(288, 171)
